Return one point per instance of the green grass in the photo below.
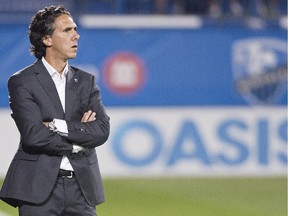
(191, 197)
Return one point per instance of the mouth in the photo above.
(75, 46)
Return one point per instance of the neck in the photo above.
(57, 64)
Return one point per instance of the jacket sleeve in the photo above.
(35, 136)
(94, 133)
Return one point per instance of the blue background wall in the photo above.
(181, 66)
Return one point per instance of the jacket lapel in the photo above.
(49, 86)
(72, 81)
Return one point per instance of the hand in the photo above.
(88, 116)
(46, 124)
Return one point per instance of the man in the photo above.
(61, 119)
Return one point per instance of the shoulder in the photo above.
(83, 74)
(87, 79)
(23, 71)
(26, 71)
(24, 75)
(80, 71)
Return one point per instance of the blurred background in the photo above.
(197, 95)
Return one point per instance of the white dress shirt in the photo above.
(61, 126)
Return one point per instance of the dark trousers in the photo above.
(66, 199)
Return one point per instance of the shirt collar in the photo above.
(52, 71)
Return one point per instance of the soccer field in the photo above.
(191, 197)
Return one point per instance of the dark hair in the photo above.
(41, 25)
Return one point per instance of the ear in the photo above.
(47, 40)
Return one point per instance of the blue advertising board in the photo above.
(211, 66)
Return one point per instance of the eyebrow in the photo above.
(69, 28)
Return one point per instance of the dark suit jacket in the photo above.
(34, 100)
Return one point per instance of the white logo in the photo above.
(260, 69)
(124, 73)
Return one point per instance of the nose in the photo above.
(77, 36)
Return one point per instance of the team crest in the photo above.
(260, 69)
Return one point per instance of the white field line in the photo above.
(4, 214)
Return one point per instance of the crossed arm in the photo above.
(29, 108)
(87, 117)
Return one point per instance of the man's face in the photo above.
(64, 40)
